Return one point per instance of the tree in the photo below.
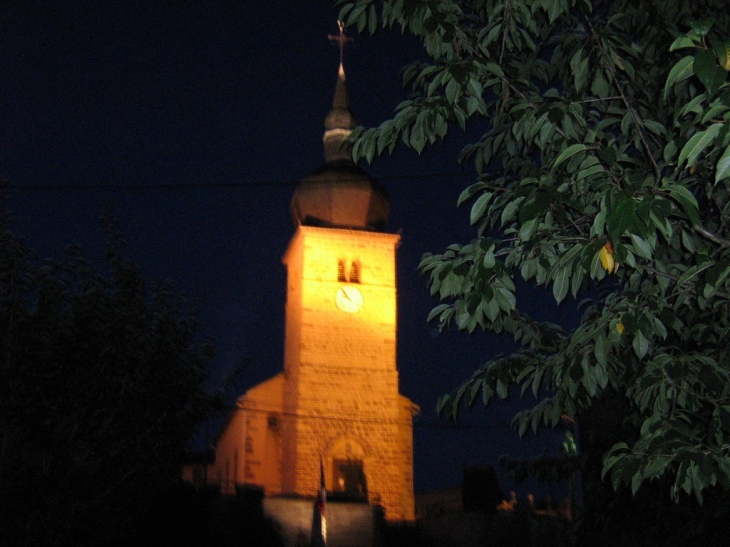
(603, 171)
(101, 389)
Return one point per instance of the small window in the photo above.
(341, 271)
(355, 272)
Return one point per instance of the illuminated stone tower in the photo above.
(336, 406)
(341, 327)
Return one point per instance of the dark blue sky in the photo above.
(195, 122)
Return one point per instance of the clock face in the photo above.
(348, 299)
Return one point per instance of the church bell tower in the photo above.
(341, 325)
(335, 412)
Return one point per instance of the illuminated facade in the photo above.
(336, 403)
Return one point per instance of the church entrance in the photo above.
(349, 479)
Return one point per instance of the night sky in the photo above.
(195, 122)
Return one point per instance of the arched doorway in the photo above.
(349, 478)
(347, 460)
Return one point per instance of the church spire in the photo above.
(340, 194)
(340, 121)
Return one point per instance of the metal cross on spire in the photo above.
(341, 39)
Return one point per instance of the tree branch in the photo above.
(704, 232)
(504, 32)
(609, 64)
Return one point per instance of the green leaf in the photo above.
(599, 86)
(597, 271)
(572, 150)
(576, 281)
(372, 20)
(640, 344)
(681, 71)
(489, 260)
(589, 377)
(693, 272)
(505, 299)
(528, 229)
(579, 69)
(356, 15)
(699, 141)
(495, 69)
(479, 207)
(660, 329)
(620, 217)
(656, 466)
(472, 105)
(708, 71)
(437, 311)
(702, 26)
(636, 481)
(641, 247)
(492, 309)
(600, 350)
(598, 223)
(670, 150)
(509, 211)
(722, 50)
(453, 91)
(502, 389)
(601, 376)
(528, 269)
(686, 199)
(682, 42)
(688, 241)
(469, 192)
(592, 170)
(569, 256)
(417, 139)
(562, 284)
(715, 277)
(474, 87)
(722, 170)
(555, 8)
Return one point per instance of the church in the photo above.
(335, 414)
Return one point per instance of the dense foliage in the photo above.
(101, 390)
(604, 166)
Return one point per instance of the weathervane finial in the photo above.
(341, 39)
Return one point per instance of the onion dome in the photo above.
(340, 194)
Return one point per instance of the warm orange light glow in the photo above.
(341, 348)
(337, 399)
(354, 332)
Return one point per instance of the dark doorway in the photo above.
(349, 479)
